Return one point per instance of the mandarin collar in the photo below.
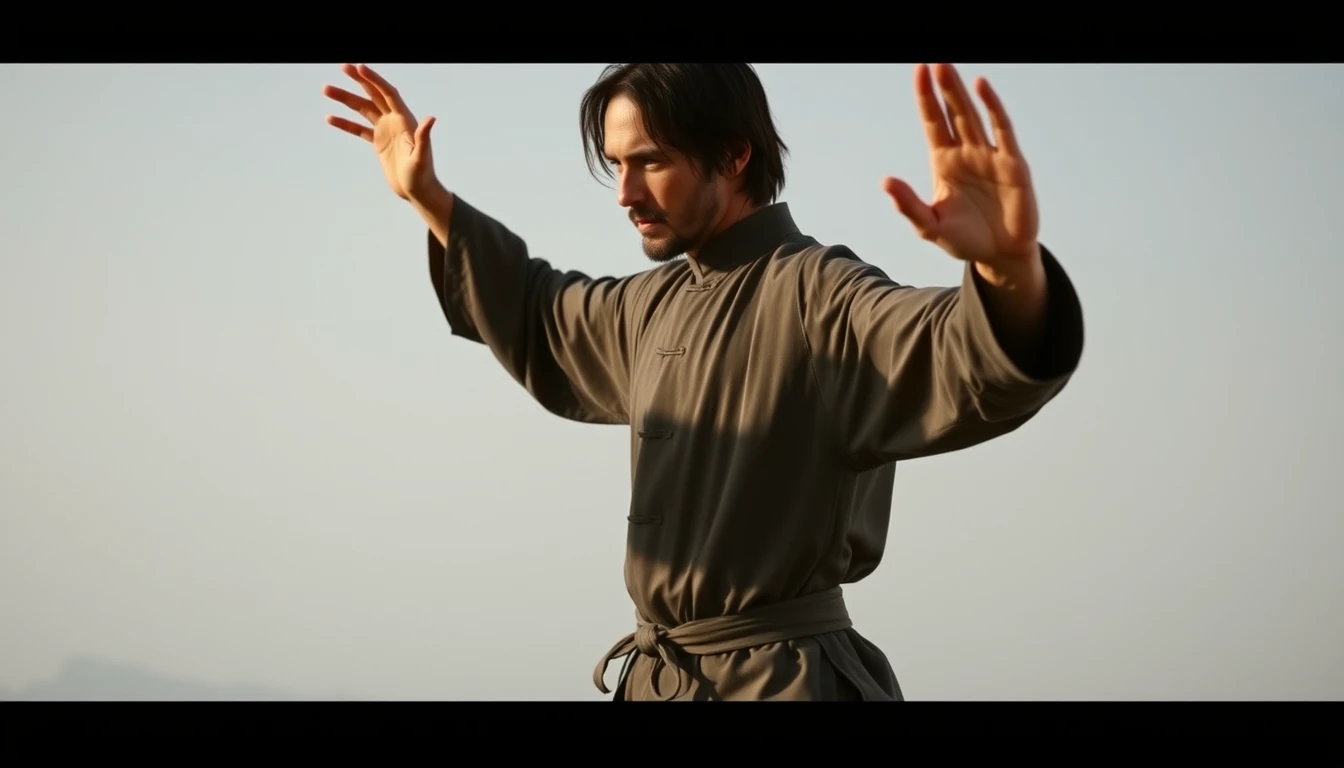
(754, 236)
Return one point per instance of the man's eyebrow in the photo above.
(649, 153)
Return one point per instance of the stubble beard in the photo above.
(664, 249)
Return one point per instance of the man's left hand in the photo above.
(983, 209)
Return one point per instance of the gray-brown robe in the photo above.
(770, 387)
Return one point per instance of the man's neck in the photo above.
(736, 210)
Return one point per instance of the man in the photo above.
(771, 382)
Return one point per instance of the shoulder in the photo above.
(815, 265)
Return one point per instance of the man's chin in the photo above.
(661, 249)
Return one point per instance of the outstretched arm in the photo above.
(563, 335)
(917, 371)
(566, 337)
(907, 372)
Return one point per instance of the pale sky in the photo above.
(240, 445)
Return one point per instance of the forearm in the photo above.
(1016, 302)
(435, 206)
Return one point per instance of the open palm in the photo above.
(401, 143)
(984, 208)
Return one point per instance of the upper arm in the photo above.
(906, 371)
(565, 336)
(587, 329)
(874, 353)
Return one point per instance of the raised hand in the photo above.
(402, 144)
(983, 209)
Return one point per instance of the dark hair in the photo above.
(704, 111)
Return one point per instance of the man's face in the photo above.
(673, 208)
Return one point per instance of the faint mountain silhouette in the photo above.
(85, 678)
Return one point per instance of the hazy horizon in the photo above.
(242, 448)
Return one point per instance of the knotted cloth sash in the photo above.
(806, 616)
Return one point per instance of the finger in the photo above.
(351, 127)
(422, 135)
(959, 105)
(368, 86)
(930, 111)
(998, 118)
(389, 93)
(359, 104)
(921, 216)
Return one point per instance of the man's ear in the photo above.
(741, 156)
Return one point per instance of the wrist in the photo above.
(431, 196)
(434, 203)
(1015, 298)
(1017, 275)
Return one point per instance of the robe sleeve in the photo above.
(907, 372)
(564, 336)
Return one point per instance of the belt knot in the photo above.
(649, 637)
(813, 614)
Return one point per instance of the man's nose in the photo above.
(629, 191)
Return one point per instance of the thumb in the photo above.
(921, 216)
(422, 134)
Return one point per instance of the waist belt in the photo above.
(805, 616)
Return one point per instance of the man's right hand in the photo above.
(402, 144)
